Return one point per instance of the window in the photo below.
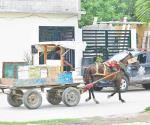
(41, 58)
(142, 58)
(53, 33)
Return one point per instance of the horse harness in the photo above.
(108, 68)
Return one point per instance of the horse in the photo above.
(99, 70)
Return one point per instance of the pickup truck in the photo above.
(140, 74)
(135, 74)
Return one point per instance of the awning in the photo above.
(75, 45)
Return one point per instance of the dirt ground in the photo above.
(140, 117)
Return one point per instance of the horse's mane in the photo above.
(126, 57)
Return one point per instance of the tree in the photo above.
(28, 58)
(107, 10)
(143, 10)
(130, 10)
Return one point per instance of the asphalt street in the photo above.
(136, 101)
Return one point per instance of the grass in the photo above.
(44, 122)
(147, 109)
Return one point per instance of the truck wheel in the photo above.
(71, 96)
(124, 84)
(14, 98)
(53, 97)
(146, 86)
(32, 99)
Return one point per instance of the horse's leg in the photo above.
(119, 94)
(89, 96)
(112, 94)
(118, 82)
(92, 91)
(115, 91)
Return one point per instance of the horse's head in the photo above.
(126, 58)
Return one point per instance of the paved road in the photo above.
(136, 101)
(134, 123)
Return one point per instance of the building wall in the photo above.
(36, 6)
(18, 31)
(140, 31)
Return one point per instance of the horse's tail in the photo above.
(86, 75)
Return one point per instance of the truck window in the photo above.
(142, 58)
(148, 57)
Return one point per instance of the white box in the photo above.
(23, 72)
(44, 73)
(53, 63)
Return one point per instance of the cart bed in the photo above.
(32, 83)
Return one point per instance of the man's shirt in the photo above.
(55, 56)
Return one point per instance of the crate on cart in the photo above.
(40, 75)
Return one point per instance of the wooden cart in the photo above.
(28, 91)
(30, 95)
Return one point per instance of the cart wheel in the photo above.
(53, 97)
(15, 98)
(71, 96)
(32, 99)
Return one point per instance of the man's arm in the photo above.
(66, 63)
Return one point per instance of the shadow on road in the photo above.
(130, 89)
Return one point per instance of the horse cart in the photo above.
(50, 77)
(28, 92)
(60, 85)
(30, 95)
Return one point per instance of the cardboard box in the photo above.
(53, 73)
(53, 63)
(132, 60)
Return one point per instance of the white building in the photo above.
(26, 22)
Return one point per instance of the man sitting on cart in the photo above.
(56, 55)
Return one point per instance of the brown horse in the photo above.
(98, 71)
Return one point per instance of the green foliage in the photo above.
(99, 59)
(147, 109)
(143, 10)
(44, 122)
(107, 10)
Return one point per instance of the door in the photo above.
(134, 70)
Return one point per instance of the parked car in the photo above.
(135, 74)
